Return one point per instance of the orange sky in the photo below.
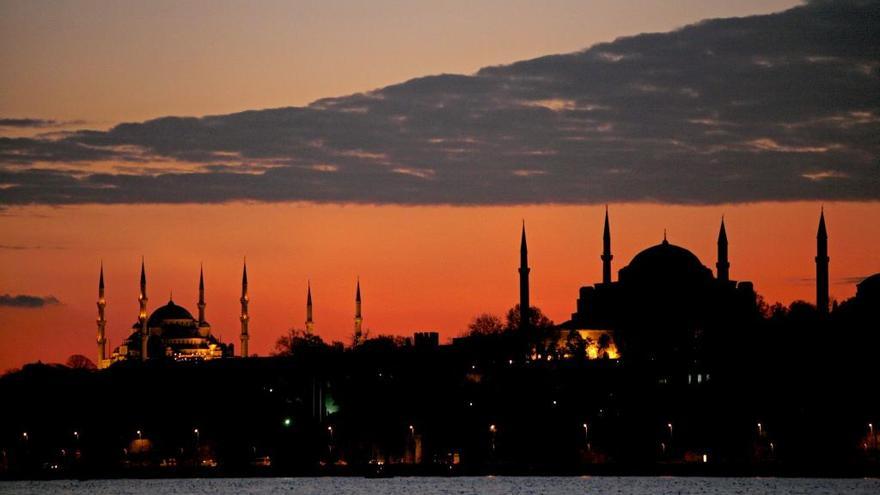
(421, 268)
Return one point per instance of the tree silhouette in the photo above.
(485, 324)
(80, 362)
(297, 341)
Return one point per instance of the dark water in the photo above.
(452, 486)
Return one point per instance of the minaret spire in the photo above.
(142, 315)
(244, 311)
(310, 323)
(358, 317)
(201, 295)
(102, 321)
(606, 251)
(822, 259)
(723, 265)
(524, 270)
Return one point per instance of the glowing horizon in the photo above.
(421, 268)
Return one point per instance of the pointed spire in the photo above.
(606, 250)
(171, 296)
(664, 237)
(244, 273)
(143, 273)
(606, 235)
(201, 303)
(358, 316)
(524, 270)
(822, 259)
(310, 324)
(101, 278)
(722, 265)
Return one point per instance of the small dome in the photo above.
(170, 311)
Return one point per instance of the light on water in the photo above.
(486, 485)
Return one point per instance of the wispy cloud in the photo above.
(27, 301)
(774, 107)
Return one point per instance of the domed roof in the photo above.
(869, 286)
(170, 311)
(664, 261)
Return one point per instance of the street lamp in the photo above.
(24, 435)
(492, 430)
(873, 437)
(140, 435)
(669, 425)
(196, 434)
(76, 435)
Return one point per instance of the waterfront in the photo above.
(487, 485)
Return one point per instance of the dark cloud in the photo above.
(27, 122)
(31, 123)
(26, 301)
(774, 107)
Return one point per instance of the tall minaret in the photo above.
(822, 260)
(606, 251)
(722, 266)
(310, 323)
(244, 312)
(523, 281)
(142, 315)
(102, 322)
(201, 296)
(358, 317)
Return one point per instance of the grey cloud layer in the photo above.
(776, 107)
(26, 301)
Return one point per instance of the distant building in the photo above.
(170, 331)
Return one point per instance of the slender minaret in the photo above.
(523, 281)
(723, 265)
(606, 251)
(201, 295)
(244, 312)
(102, 322)
(358, 317)
(142, 315)
(310, 323)
(822, 260)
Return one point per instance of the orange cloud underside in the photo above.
(421, 268)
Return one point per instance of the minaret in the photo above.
(822, 260)
(201, 296)
(310, 323)
(102, 322)
(142, 315)
(244, 312)
(523, 281)
(358, 318)
(722, 266)
(606, 251)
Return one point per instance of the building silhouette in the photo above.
(169, 332)
(663, 302)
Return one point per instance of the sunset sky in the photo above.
(312, 141)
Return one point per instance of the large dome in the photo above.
(665, 263)
(170, 311)
(869, 287)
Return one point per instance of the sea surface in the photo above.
(452, 486)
